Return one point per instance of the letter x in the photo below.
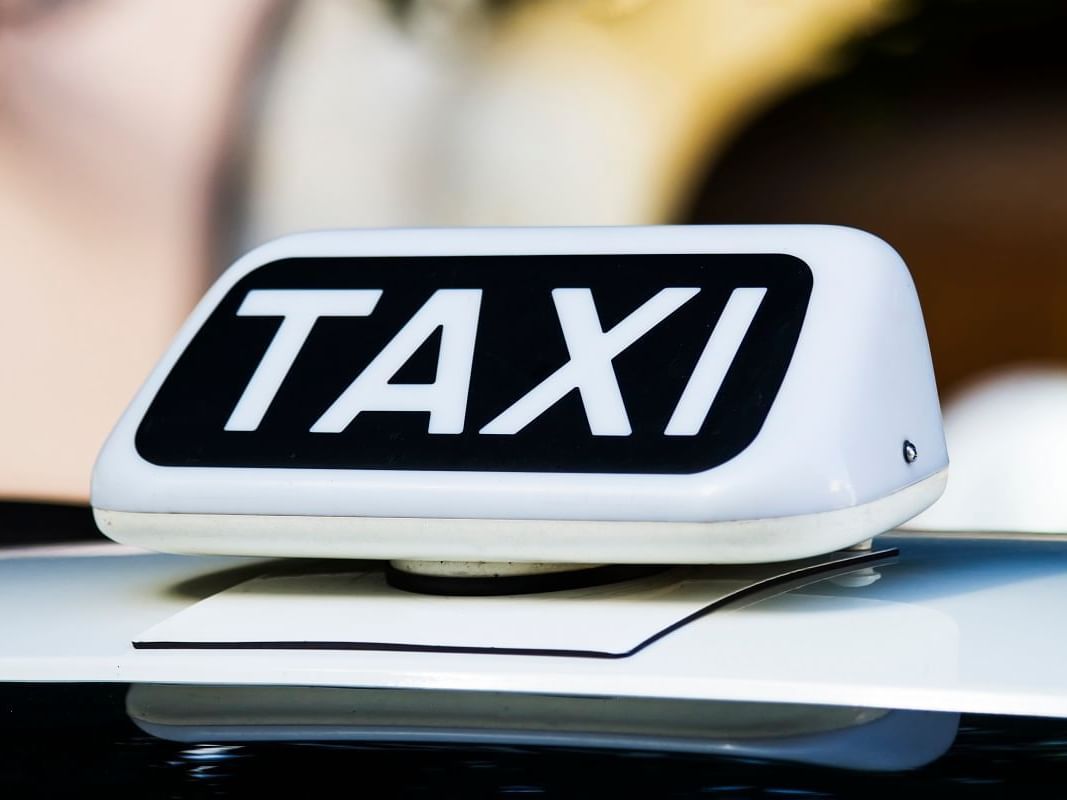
(590, 370)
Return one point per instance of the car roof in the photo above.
(956, 623)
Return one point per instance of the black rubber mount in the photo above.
(450, 586)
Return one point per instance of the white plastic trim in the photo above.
(737, 542)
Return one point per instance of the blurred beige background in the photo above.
(144, 143)
(111, 117)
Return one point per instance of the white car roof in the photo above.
(957, 623)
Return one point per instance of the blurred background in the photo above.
(146, 143)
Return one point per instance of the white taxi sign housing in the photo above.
(575, 395)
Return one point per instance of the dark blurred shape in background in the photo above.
(946, 135)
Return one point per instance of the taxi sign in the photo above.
(622, 395)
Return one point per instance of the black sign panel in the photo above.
(522, 334)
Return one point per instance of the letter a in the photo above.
(455, 311)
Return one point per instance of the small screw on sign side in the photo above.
(910, 453)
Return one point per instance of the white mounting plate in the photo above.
(955, 624)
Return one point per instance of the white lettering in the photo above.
(299, 309)
(590, 369)
(714, 362)
(455, 311)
